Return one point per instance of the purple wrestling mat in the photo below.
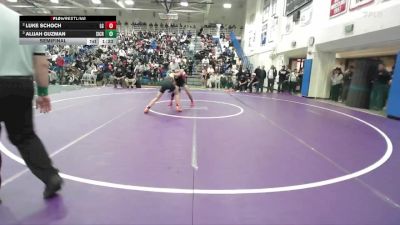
(231, 159)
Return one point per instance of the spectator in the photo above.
(60, 68)
(258, 72)
(119, 75)
(242, 81)
(293, 79)
(301, 74)
(263, 75)
(283, 76)
(272, 73)
(254, 80)
(380, 88)
(347, 76)
(337, 79)
(130, 78)
(174, 65)
(217, 82)
(205, 62)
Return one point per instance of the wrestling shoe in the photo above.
(192, 104)
(178, 108)
(146, 110)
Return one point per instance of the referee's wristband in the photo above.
(42, 91)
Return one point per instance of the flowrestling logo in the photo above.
(68, 18)
(354, 4)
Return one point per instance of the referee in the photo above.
(17, 65)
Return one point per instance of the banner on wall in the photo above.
(306, 16)
(288, 27)
(265, 12)
(251, 39)
(338, 7)
(264, 33)
(354, 4)
(272, 30)
(293, 5)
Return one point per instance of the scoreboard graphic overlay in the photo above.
(65, 30)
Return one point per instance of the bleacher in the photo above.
(177, 28)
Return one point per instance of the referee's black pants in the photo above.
(16, 96)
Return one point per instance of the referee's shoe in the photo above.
(52, 187)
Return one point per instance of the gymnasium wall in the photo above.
(375, 25)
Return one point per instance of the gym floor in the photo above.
(232, 159)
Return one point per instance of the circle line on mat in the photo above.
(368, 169)
(241, 110)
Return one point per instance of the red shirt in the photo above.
(60, 61)
(114, 57)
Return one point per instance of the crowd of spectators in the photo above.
(226, 71)
(139, 56)
(146, 57)
(230, 74)
(379, 80)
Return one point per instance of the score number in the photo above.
(111, 25)
(110, 34)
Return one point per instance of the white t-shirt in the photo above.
(130, 51)
(174, 66)
(337, 79)
(93, 72)
(210, 70)
(15, 59)
(293, 77)
(271, 74)
(218, 78)
(212, 78)
(122, 53)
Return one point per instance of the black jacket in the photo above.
(258, 73)
(263, 74)
(283, 75)
(382, 77)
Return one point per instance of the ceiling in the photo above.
(108, 7)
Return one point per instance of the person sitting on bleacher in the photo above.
(211, 81)
(100, 75)
(52, 77)
(119, 75)
(130, 77)
(210, 76)
(217, 80)
(107, 71)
